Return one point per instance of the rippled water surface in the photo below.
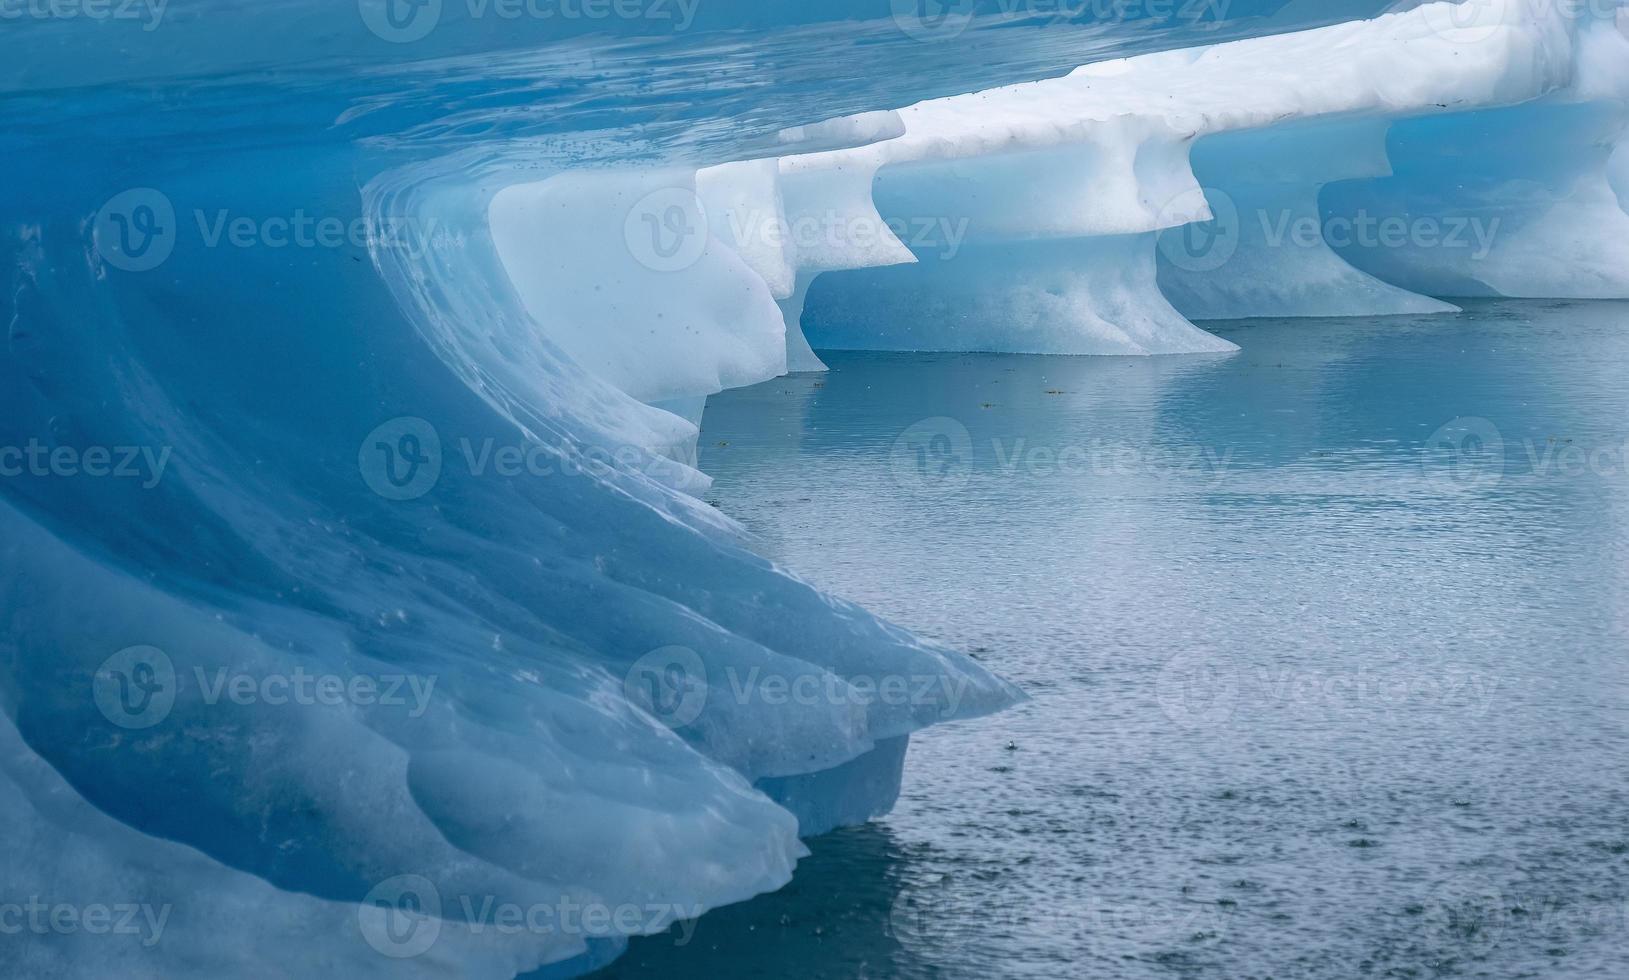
(1326, 642)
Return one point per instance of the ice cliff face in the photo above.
(1355, 169)
(406, 608)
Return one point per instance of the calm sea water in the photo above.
(1327, 641)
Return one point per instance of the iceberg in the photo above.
(1202, 161)
(1103, 211)
(356, 588)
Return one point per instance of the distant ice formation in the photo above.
(1357, 169)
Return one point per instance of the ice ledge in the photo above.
(1039, 216)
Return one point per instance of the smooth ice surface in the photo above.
(1340, 705)
(600, 283)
